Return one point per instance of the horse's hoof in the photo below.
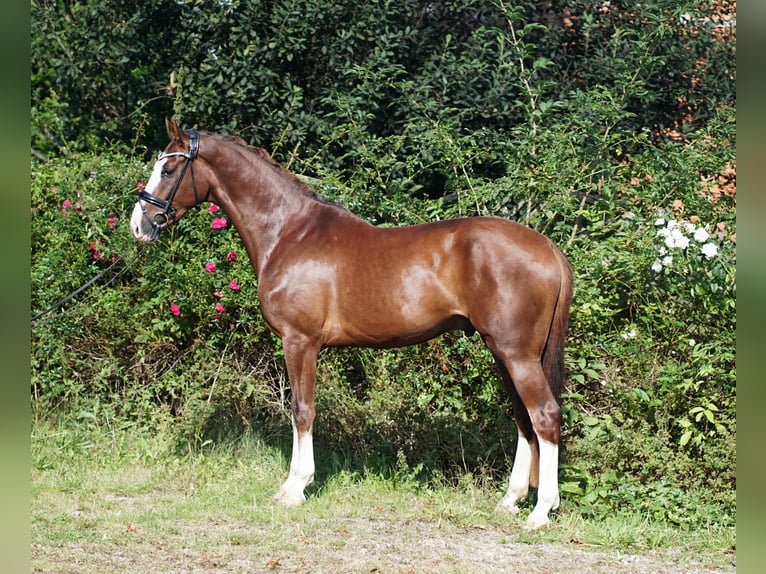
(507, 506)
(285, 498)
(536, 521)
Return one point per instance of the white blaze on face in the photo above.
(140, 227)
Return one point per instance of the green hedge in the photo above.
(569, 122)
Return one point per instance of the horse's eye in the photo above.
(166, 172)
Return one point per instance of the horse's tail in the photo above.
(553, 355)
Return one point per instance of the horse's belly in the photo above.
(370, 337)
(393, 324)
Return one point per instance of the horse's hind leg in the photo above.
(532, 388)
(524, 472)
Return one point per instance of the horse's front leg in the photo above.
(301, 357)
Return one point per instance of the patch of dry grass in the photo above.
(122, 502)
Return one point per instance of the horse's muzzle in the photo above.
(143, 228)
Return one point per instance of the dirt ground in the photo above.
(360, 545)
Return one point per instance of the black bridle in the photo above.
(168, 213)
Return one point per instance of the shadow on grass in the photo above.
(408, 445)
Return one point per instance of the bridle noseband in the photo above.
(168, 213)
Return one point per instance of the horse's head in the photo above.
(170, 191)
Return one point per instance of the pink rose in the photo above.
(213, 208)
(234, 286)
(175, 309)
(231, 256)
(210, 267)
(96, 251)
(112, 221)
(66, 203)
(140, 186)
(218, 294)
(219, 223)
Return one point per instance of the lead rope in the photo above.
(167, 209)
(61, 302)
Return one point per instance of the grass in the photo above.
(120, 498)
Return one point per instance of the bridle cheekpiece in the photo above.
(168, 213)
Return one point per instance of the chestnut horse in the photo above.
(328, 278)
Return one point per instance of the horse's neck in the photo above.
(261, 202)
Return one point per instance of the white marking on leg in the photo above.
(548, 491)
(518, 483)
(301, 469)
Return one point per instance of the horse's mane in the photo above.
(278, 167)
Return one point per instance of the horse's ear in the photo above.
(174, 132)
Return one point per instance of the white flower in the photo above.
(689, 226)
(659, 222)
(700, 236)
(692, 342)
(657, 266)
(664, 232)
(677, 239)
(710, 250)
(667, 260)
(663, 251)
(629, 335)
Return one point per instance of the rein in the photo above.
(63, 301)
(158, 221)
(168, 213)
